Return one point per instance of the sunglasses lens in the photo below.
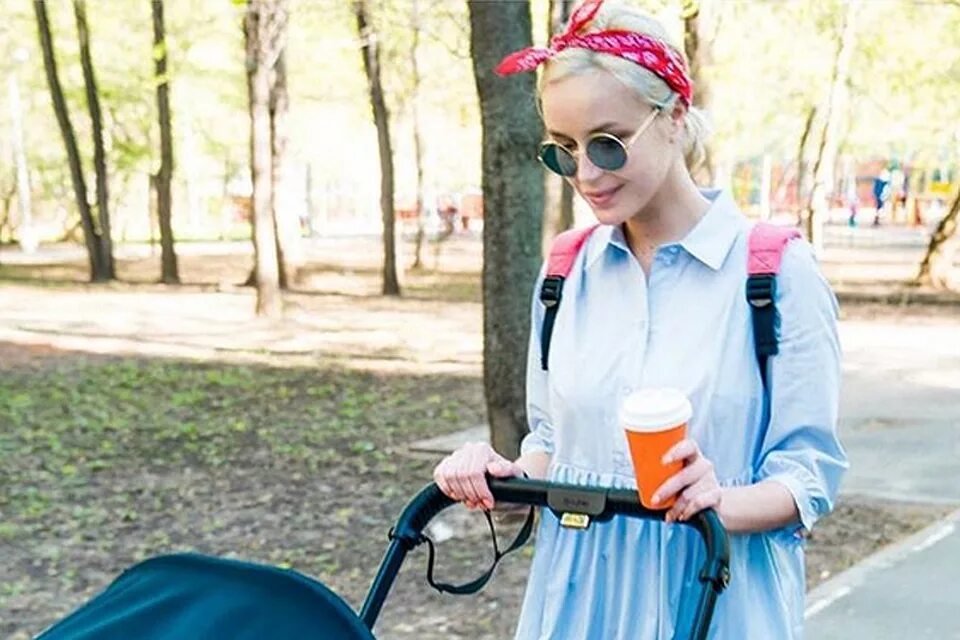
(607, 153)
(558, 160)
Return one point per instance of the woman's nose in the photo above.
(586, 170)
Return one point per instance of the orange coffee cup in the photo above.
(654, 420)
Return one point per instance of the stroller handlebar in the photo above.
(576, 506)
(599, 504)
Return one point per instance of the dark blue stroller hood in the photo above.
(194, 596)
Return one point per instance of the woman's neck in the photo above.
(673, 211)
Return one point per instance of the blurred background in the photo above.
(767, 71)
(248, 249)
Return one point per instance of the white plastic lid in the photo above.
(655, 409)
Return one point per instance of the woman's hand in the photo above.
(462, 474)
(695, 486)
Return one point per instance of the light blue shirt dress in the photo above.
(688, 326)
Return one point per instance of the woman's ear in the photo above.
(677, 115)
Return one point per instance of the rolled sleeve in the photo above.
(801, 448)
(540, 437)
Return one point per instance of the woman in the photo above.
(656, 298)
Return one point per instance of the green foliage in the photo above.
(771, 62)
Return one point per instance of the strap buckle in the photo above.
(761, 290)
(550, 291)
(761, 295)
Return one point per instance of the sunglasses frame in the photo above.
(625, 146)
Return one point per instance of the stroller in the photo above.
(194, 597)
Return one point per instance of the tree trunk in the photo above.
(264, 23)
(558, 208)
(558, 12)
(152, 215)
(699, 22)
(818, 206)
(417, 133)
(801, 160)
(25, 231)
(90, 237)
(169, 272)
(371, 65)
(6, 198)
(513, 200)
(286, 221)
(937, 265)
(559, 193)
(99, 150)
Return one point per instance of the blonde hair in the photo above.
(648, 86)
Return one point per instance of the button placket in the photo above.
(640, 327)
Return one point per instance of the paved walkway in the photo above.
(908, 591)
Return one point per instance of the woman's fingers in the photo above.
(440, 477)
(463, 478)
(683, 450)
(479, 462)
(678, 507)
(503, 468)
(682, 479)
(453, 476)
(479, 490)
(701, 495)
(708, 498)
(461, 475)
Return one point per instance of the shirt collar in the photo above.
(709, 241)
(712, 238)
(605, 236)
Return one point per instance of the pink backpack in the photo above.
(765, 246)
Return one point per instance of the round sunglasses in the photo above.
(605, 150)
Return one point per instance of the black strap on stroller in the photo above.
(577, 507)
(472, 587)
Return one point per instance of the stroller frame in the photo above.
(585, 505)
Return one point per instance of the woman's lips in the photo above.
(602, 198)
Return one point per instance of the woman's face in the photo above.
(578, 106)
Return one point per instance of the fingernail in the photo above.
(656, 498)
(666, 460)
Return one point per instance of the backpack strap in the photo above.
(563, 252)
(766, 245)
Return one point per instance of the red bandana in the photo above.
(648, 52)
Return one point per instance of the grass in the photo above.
(107, 460)
(78, 417)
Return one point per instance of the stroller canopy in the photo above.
(190, 596)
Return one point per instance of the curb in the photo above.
(900, 296)
(834, 589)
